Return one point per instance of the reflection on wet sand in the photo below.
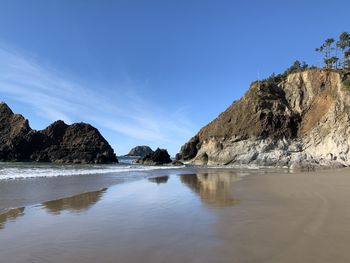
(159, 179)
(77, 203)
(214, 189)
(11, 214)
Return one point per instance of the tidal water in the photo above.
(35, 170)
(166, 218)
(185, 214)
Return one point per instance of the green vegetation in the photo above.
(344, 45)
(297, 66)
(346, 83)
(330, 49)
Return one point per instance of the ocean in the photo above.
(25, 170)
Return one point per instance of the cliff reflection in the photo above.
(11, 214)
(213, 189)
(77, 203)
(159, 179)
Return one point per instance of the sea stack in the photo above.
(158, 157)
(58, 143)
(140, 151)
(300, 119)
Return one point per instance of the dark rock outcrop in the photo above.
(177, 163)
(189, 150)
(59, 142)
(140, 151)
(300, 121)
(14, 131)
(158, 157)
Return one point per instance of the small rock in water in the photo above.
(160, 156)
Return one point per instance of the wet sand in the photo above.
(290, 218)
(213, 216)
(23, 192)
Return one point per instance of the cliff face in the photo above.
(59, 142)
(301, 121)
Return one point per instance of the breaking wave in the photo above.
(23, 171)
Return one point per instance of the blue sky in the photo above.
(150, 72)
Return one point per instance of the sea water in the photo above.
(32, 170)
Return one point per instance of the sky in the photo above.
(150, 72)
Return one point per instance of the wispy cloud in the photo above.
(54, 96)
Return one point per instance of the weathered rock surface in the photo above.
(303, 121)
(140, 151)
(14, 130)
(158, 157)
(59, 142)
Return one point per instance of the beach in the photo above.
(180, 215)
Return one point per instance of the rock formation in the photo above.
(301, 121)
(160, 156)
(140, 151)
(14, 130)
(177, 163)
(59, 143)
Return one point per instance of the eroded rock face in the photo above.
(59, 143)
(140, 151)
(301, 122)
(14, 129)
(160, 156)
(189, 150)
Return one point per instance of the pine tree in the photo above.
(327, 48)
(344, 44)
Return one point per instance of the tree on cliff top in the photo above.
(330, 50)
(327, 49)
(344, 45)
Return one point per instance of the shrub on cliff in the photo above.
(346, 83)
(297, 66)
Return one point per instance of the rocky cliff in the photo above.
(300, 121)
(59, 143)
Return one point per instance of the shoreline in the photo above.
(19, 192)
(16, 193)
(246, 215)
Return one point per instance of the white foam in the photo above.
(25, 171)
